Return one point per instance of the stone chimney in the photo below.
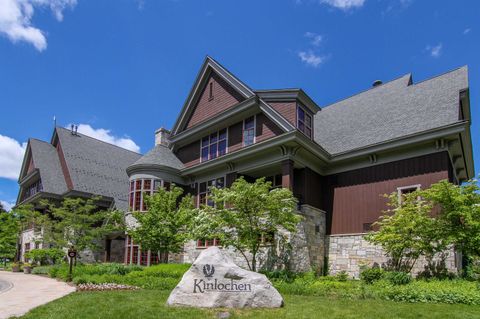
(162, 136)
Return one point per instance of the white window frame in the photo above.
(402, 188)
(254, 131)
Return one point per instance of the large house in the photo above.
(338, 159)
(74, 165)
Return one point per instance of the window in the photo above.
(204, 243)
(266, 239)
(304, 122)
(33, 189)
(402, 191)
(204, 190)
(276, 180)
(249, 131)
(214, 145)
(27, 247)
(140, 187)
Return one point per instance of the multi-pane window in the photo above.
(249, 131)
(204, 243)
(27, 247)
(304, 122)
(204, 190)
(140, 187)
(33, 189)
(214, 145)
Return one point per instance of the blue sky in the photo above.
(126, 66)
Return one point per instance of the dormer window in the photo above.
(304, 122)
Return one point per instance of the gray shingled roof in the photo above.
(160, 155)
(392, 110)
(97, 167)
(46, 160)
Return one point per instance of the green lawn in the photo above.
(151, 304)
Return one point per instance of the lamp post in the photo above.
(72, 253)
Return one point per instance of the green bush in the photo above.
(41, 270)
(370, 275)
(398, 277)
(342, 276)
(45, 256)
(435, 291)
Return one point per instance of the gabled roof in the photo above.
(160, 155)
(389, 111)
(209, 65)
(46, 160)
(96, 167)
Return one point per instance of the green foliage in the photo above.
(407, 231)
(428, 222)
(78, 222)
(9, 229)
(342, 276)
(45, 256)
(245, 212)
(460, 214)
(398, 277)
(165, 226)
(41, 270)
(370, 275)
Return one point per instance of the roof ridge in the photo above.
(369, 89)
(96, 139)
(441, 74)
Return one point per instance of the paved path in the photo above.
(19, 293)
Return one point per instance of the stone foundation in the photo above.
(349, 252)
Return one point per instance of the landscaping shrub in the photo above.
(342, 276)
(435, 291)
(398, 277)
(370, 275)
(41, 270)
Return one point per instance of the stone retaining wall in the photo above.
(349, 252)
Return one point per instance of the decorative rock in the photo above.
(223, 315)
(215, 281)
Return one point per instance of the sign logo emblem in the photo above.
(208, 270)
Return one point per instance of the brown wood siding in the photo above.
(189, 155)
(235, 139)
(287, 109)
(356, 197)
(265, 128)
(308, 187)
(224, 96)
(63, 164)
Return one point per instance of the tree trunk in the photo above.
(254, 262)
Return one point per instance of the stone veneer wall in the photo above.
(308, 245)
(349, 252)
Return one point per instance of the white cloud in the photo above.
(344, 4)
(310, 58)
(11, 157)
(315, 39)
(106, 136)
(467, 31)
(16, 19)
(435, 51)
(7, 205)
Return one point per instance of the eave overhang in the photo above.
(289, 95)
(138, 168)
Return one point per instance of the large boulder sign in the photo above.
(215, 281)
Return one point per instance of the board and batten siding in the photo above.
(354, 198)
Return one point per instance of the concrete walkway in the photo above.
(19, 293)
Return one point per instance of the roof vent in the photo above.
(377, 83)
(162, 136)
